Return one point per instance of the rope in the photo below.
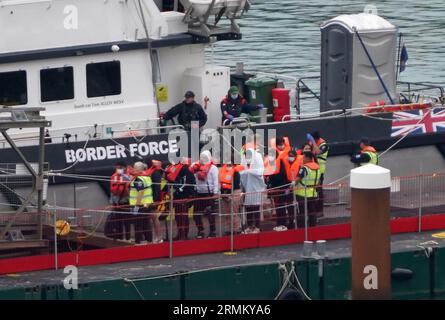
(75, 163)
(390, 147)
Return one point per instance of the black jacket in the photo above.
(184, 185)
(280, 179)
(187, 113)
(156, 178)
(235, 107)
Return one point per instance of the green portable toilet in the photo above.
(260, 92)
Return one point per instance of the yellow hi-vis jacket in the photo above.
(306, 187)
(147, 196)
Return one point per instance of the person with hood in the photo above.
(234, 104)
(182, 180)
(252, 181)
(207, 186)
(187, 111)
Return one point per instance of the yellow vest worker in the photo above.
(367, 154)
(141, 183)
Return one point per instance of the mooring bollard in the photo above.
(371, 235)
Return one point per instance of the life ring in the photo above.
(398, 107)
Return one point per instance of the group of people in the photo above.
(189, 111)
(292, 179)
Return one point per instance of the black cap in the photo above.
(189, 94)
(365, 141)
(120, 164)
(292, 152)
(316, 135)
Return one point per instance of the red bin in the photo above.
(281, 103)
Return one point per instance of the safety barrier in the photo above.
(228, 222)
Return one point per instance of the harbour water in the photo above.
(283, 36)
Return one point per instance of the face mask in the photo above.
(234, 96)
(307, 154)
(291, 159)
(120, 171)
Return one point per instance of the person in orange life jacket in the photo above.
(207, 186)
(367, 154)
(272, 163)
(116, 225)
(278, 185)
(141, 211)
(155, 172)
(305, 188)
(320, 150)
(187, 111)
(291, 164)
(182, 180)
(229, 178)
(234, 104)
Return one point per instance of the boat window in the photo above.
(103, 79)
(56, 84)
(13, 88)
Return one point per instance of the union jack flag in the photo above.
(409, 121)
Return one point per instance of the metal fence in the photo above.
(227, 215)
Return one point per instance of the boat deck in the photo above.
(158, 267)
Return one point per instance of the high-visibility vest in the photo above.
(293, 168)
(226, 175)
(306, 187)
(322, 158)
(372, 154)
(147, 196)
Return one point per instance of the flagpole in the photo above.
(398, 56)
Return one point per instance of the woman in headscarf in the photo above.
(252, 180)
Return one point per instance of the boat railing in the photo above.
(236, 216)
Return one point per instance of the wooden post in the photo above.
(371, 235)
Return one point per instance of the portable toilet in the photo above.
(348, 78)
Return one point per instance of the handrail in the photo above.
(236, 120)
(176, 126)
(303, 87)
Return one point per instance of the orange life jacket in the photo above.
(369, 149)
(320, 141)
(226, 175)
(269, 169)
(287, 145)
(172, 171)
(312, 165)
(157, 165)
(202, 170)
(293, 168)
